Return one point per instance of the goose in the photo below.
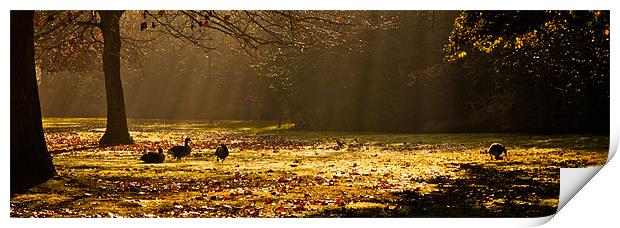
(221, 152)
(496, 150)
(152, 157)
(181, 151)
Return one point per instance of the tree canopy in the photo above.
(538, 55)
(428, 70)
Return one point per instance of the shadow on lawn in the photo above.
(485, 192)
(60, 151)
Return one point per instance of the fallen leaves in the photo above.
(295, 174)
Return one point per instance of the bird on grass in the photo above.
(152, 157)
(181, 151)
(221, 152)
(496, 150)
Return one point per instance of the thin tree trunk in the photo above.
(31, 164)
(116, 128)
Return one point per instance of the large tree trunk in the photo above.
(31, 164)
(116, 132)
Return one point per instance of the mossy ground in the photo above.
(275, 172)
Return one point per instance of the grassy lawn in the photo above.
(275, 172)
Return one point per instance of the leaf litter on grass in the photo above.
(283, 172)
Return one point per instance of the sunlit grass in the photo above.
(275, 172)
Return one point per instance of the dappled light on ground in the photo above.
(275, 172)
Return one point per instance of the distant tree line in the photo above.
(171, 84)
(505, 71)
(433, 71)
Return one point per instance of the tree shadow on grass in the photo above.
(483, 191)
(84, 148)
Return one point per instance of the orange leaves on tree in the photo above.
(143, 26)
(70, 19)
(99, 37)
(38, 22)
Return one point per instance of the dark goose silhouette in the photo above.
(221, 152)
(153, 157)
(181, 151)
(496, 150)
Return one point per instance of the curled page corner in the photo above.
(538, 221)
(572, 180)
